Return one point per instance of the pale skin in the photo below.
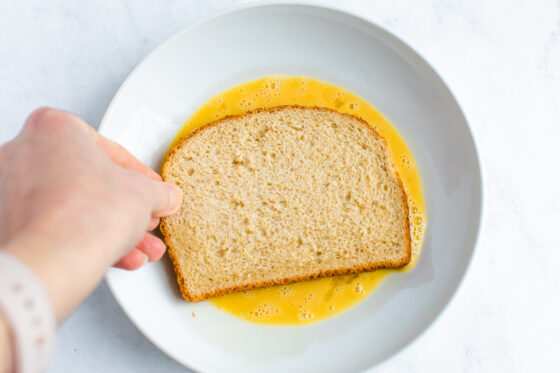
(72, 204)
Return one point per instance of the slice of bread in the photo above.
(282, 195)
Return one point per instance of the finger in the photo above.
(153, 224)
(123, 158)
(166, 198)
(133, 260)
(152, 246)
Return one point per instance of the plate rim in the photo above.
(394, 37)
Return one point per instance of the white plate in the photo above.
(223, 51)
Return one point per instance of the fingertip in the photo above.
(175, 199)
(168, 198)
(152, 246)
(133, 260)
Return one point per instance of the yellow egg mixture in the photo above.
(310, 301)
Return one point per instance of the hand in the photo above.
(73, 203)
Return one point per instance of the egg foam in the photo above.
(311, 301)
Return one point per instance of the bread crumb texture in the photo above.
(282, 195)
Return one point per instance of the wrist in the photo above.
(68, 275)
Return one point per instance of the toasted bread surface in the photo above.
(283, 195)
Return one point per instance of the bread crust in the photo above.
(172, 251)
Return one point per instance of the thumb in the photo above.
(168, 198)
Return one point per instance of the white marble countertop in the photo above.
(501, 58)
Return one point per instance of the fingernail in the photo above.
(145, 259)
(175, 197)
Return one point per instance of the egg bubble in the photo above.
(247, 104)
(275, 84)
(338, 102)
(358, 288)
(284, 291)
(217, 101)
(406, 162)
(264, 311)
(309, 297)
(305, 315)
